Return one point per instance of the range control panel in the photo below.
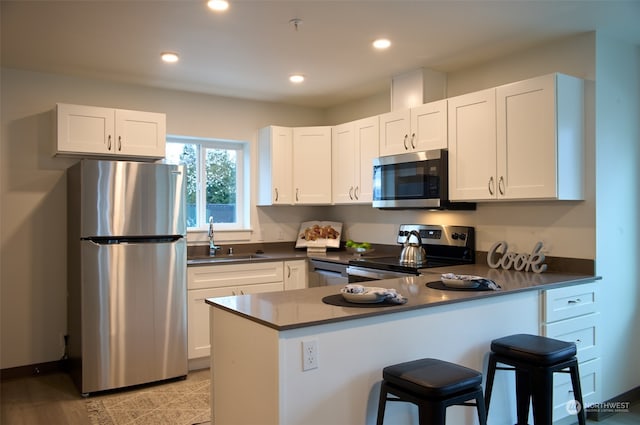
(438, 234)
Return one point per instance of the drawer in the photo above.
(572, 301)
(563, 391)
(582, 330)
(223, 275)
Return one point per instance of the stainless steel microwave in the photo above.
(414, 180)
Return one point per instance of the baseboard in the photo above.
(618, 404)
(32, 370)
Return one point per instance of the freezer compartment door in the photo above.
(134, 317)
(121, 198)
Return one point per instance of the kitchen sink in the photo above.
(225, 258)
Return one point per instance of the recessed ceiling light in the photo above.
(381, 43)
(169, 57)
(218, 5)
(296, 78)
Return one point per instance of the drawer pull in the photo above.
(576, 301)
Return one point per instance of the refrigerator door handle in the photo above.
(114, 240)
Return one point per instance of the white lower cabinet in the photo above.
(295, 275)
(224, 280)
(570, 314)
(198, 316)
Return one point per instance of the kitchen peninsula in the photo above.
(257, 345)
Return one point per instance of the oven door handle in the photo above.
(373, 275)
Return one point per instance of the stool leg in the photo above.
(542, 395)
(482, 412)
(491, 371)
(382, 402)
(523, 396)
(577, 393)
(432, 413)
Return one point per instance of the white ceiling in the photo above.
(250, 50)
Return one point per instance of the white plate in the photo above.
(368, 296)
(466, 282)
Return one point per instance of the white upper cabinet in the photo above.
(354, 145)
(520, 141)
(540, 133)
(417, 129)
(294, 166)
(312, 165)
(275, 159)
(94, 131)
(429, 126)
(472, 145)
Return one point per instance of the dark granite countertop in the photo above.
(304, 307)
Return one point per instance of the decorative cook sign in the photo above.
(499, 256)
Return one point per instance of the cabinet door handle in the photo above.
(233, 293)
(277, 195)
(288, 272)
(355, 192)
(241, 292)
(490, 186)
(501, 187)
(413, 138)
(119, 143)
(297, 190)
(109, 143)
(351, 193)
(404, 142)
(576, 301)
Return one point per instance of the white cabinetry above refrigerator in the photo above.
(105, 132)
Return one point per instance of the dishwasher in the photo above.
(323, 273)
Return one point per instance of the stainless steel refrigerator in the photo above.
(127, 318)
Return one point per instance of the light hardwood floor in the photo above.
(52, 399)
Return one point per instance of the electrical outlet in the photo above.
(309, 354)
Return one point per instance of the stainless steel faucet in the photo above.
(213, 248)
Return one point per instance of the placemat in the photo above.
(338, 300)
(439, 285)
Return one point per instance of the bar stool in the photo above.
(432, 385)
(535, 359)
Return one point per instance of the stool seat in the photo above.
(534, 349)
(535, 359)
(432, 378)
(432, 385)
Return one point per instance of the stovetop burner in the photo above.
(393, 264)
(444, 246)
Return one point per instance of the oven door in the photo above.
(363, 274)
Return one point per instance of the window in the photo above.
(215, 180)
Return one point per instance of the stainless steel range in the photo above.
(444, 246)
